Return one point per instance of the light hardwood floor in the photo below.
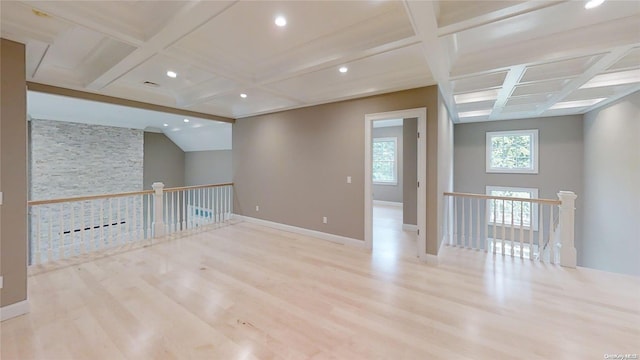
(246, 291)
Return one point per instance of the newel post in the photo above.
(158, 221)
(567, 228)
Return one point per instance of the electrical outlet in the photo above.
(348, 179)
(324, 219)
(257, 208)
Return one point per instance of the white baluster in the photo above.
(531, 229)
(158, 212)
(149, 223)
(61, 228)
(83, 243)
(38, 254)
(552, 238)
(504, 228)
(486, 225)
(522, 228)
(133, 228)
(566, 227)
(455, 221)
(495, 224)
(50, 237)
(541, 235)
(478, 243)
(462, 224)
(513, 228)
(72, 232)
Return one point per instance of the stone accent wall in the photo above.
(69, 159)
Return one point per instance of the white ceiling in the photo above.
(196, 135)
(493, 60)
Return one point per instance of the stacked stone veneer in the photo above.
(69, 160)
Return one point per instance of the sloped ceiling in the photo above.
(493, 60)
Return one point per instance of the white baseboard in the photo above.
(302, 231)
(13, 310)
(409, 227)
(387, 203)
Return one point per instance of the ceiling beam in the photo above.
(510, 81)
(190, 17)
(601, 65)
(32, 86)
(424, 20)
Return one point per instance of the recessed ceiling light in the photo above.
(281, 21)
(575, 104)
(476, 96)
(612, 79)
(593, 3)
(243, 95)
(186, 120)
(165, 125)
(343, 69)
(475, 113)
(172, 74)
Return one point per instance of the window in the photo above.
(523, 212)
(512, 151)
(385, 161)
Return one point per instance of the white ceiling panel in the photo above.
(451, 12)
(363, 76)
(630, 61)
(478, 82)
(257, 101)
(558, 69)
(259, 48)
(542, 87)
(155, 70)
(21, 23)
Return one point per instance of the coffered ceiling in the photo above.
(493, 60)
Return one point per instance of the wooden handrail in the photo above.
(489, 197)
(108, 196)
(195, 187)
(85, 198)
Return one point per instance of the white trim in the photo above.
(387, 203)
(421, 114)
(14, 310)
(302, 231)
(409, 227)
(534, 151)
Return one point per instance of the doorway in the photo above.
(383, 172)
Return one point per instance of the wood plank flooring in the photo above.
(249, 292)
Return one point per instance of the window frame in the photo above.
(393, 182)
(534, 221)
(534, 151)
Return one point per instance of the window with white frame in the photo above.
(512, 151)
(513, 212)
(385, 161)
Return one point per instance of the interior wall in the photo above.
(390, 192)
(208, 167)
(294, 164)
(13, 173)
(164, 161)
(72, 159)
(445, 161)
(560, 164)
(410, 172)
(612, 187)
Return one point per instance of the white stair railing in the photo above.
(520, 227)
(69, 227)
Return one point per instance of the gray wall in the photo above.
(560, 160)
(164, 161)
(71, 159)
(208, 167)
(13, 173)
(294, 164)
(410, 172)
(612, 187)
(390, 192)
